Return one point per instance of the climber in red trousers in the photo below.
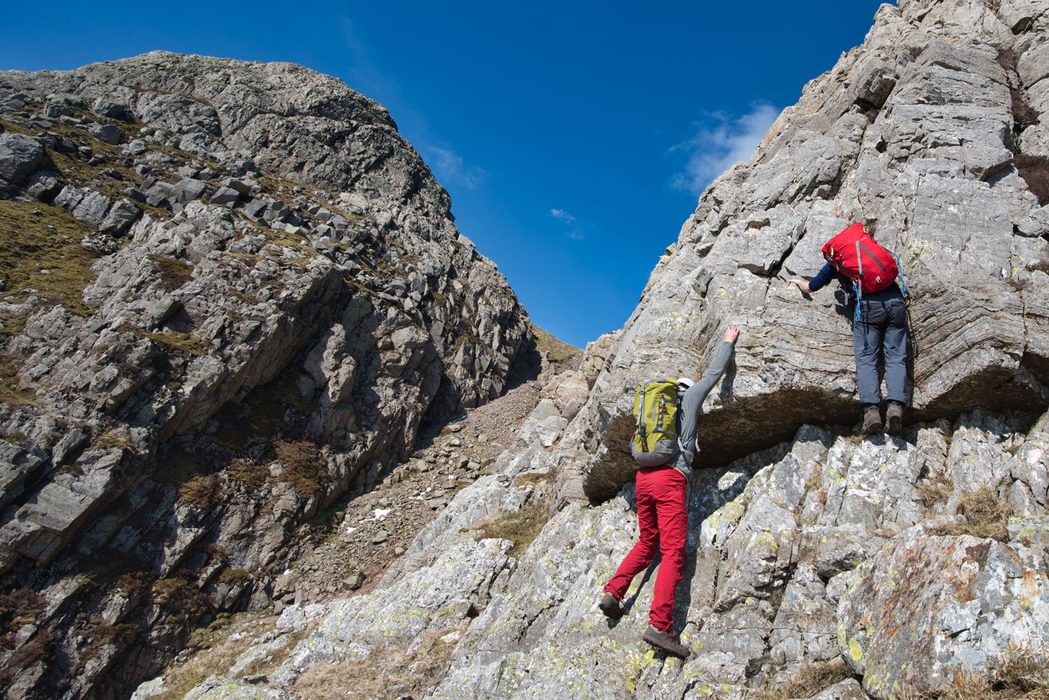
(662, 513)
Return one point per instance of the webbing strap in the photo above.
(858, 284)
(903, 281)
(859, 245)
(641, 419)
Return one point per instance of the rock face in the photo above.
(254, 298)
(933, 129)
(884, 567)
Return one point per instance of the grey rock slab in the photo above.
(188, 189)
(109, 133)
(20, 155)
(135, 148)
(119, 218)
(217, 688)
(848, 689)
(438, 596)
(16, 465)
(225, 196)
(927, 607)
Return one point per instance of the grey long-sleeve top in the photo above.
(692, 404)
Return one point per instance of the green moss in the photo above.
(40, 250)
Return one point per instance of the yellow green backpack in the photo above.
(655, 423)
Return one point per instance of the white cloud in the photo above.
(721, 142)
(562, 215)
(451, 168)
(575, 232)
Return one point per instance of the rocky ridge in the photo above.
(819, 565)
(232, 297)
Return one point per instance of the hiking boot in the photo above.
(894, 418)
(610, 606)
(665, 642)
(871, 420)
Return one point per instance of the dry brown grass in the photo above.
(173, 273)
(807, 681)
(201, 490)
(304, 465)
(17, 608)
(985, 516)
(935, 490)
(248, 472)
(554, 350)
(214, 651)
(40, 250)
(1020, 677)
(11, 391)
(385, 674)
(520, 527)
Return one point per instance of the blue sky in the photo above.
(573, 137)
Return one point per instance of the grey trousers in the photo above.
(882, 327)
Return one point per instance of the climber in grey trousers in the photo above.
(881, 327)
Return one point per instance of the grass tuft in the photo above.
(173, 272)
(304, 465)
(985, 516)
(520, 527)
(809, 680)
(40, 250)
(11, 392)
(200, 491)
(1020, 676)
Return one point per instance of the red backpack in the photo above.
(857, 256)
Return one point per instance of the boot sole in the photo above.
(681, 652)
(613, 612)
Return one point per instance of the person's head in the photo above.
(870, 226)
(683, 383)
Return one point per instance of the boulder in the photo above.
(19, 156)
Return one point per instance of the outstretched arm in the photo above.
(696, 393)
(825, 275)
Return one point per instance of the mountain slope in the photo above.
(233, 295)
(879, 567)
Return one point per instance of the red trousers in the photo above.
(662, 518)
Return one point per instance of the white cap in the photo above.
(684, 383)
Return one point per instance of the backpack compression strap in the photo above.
(858, 284)
(903, 281)
(641, 419)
